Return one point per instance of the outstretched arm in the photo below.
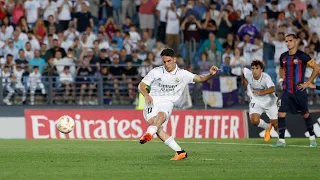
(205, 77)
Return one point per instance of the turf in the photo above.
(208, 159)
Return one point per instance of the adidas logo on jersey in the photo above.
(274, 134)
(316, 128)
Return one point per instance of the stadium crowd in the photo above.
(72, 43)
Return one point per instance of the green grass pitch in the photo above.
(208, 159)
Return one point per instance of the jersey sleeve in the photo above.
(269, 82)
(307, 59)
(149, 78)
(246, 72)
(188, 76)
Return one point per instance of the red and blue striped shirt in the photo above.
(294, 67)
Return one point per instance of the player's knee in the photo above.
(306, 115)
(281, 114)
(274, 123)
(161, 117)
(254, 121)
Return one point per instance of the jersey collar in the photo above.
(173, 72)
(257, 79)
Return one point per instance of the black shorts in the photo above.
(296, 103)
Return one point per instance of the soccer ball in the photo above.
(65, 124)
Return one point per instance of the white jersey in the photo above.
(167, 86)
(34, 79)
(19, 76)
(263, 83)
(5, 77)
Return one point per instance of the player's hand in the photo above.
(280, 84)
(213, 70)
(303, 86)
(312, 86)
(148, 100)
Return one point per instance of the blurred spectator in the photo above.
(50, 69)
(22, 61)
(84, 75)
(7, 84)
(83, 19)
(66, 82)
(204, 64)
(64, 13)
(116, 72)
(32, 8)
(191, 27)
(130, 75)
(237, 62)
(146, 16)
(11, 49)
(225, 67)
(173, 27)
(17, 12)
(35, 83)
(249, 29)
(209, 42)
(161, 8)
(61, 62)
(19, 85)
(37, 61)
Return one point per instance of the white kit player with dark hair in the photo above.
(167, 84)
(260, 89)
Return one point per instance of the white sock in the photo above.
(263, 124)
(282, 140)
(152, 130)
(312, 138)
(172, 144)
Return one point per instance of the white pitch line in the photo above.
(206, 142)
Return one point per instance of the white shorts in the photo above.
(158, 106)
(272, 112)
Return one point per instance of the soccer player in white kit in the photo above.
(167, 83)
(260, 89)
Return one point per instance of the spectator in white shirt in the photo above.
(4, 34)
(34, 83)
(66, 81)
(314, 22)
(134, 36)
(11, 49)
(71, 33)
(50, 8)
(64, 13)
(32, 11)
(173, 27)
(28, 51)
(60, 63)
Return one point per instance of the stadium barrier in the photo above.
(117, 124)
(130, 124)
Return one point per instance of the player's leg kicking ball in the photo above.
(156, 120)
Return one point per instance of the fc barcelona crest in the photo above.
(295, 61)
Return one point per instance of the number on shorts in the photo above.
(252, 105)
(149, 110)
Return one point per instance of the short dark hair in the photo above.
(168, 52)
(292, 35)
(257, 63)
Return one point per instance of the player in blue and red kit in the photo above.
(294, 98)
